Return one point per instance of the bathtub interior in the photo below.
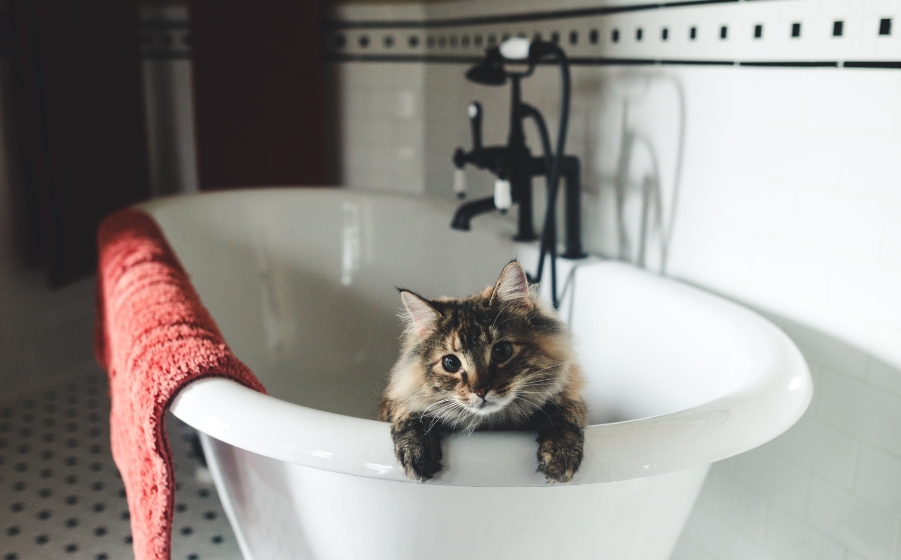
(303, 286)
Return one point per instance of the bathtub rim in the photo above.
(709, 432)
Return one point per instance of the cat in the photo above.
(499, 359)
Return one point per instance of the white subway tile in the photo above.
(795, 271)
(790, 537)
(709, 530)
(826, 337)
(839, 222)
(890, 250)
(821, 449)
(743, 548)
(879, 478)
(856, 101)
(778, 480)
(861, 409)
(870, 165)
(867, 289)
(686, 549)
(857, 524)
(738, 505)
(884, 367)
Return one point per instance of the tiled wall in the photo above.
(773, 174)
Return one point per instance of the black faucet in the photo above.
(514, 165)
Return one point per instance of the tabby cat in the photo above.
(499, 359)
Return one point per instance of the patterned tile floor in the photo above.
(61, 496)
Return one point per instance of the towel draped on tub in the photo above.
(154, 337)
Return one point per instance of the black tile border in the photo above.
(516, 18)
(604, 61)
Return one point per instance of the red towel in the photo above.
(153, 337)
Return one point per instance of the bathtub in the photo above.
(302, 285)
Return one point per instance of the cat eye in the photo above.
(451, 363)
(501, 351)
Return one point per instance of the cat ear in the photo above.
(512, 287)
(422, 315)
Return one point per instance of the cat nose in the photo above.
(481, 391)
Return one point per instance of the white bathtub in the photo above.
(302, 284)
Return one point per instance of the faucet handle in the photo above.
(474, 110)
(459, 183)
(503, 195)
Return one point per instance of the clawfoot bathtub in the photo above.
(302, 285)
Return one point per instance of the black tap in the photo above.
(514, 163)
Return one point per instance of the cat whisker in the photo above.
(430, 406)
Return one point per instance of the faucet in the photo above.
(514, 165)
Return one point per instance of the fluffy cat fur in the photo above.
(498, 359)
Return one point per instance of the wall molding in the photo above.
(762, 33)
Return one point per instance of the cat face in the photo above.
(491, 358)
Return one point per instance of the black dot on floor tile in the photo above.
(45, 493)
(71, 500)
(46, 454)
(95, 448)
(193, 557)
(217, 539)
(19, 486)
(11, 556)
(100, 531)
(46, 473)
(71, 548)
(203, 493)
(17, 507)
(21, 467)
(99, 506)
(42, 539)
(94, 432)
(181, 507)
(186, 531)
(210, 515)
(122, 493)
(72, 522)
(49, 422)
(71, 442)
(97, 486)
(13, 531)
(71, 479)
(24, 448)
(72, 427)
(44, 514)
(124, 515)
(127, 539)
(101, 556)
(96, 467)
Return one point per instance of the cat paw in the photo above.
(420, 460)
(559, 459)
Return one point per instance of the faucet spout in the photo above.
(466, 212)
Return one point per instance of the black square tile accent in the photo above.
(615, 36)
(693, 33)
(573, 37)
(724, 32)
(664, 34)
(758, 31)
(885, 26)
(638, 34)
(593, 37)
(796, 30)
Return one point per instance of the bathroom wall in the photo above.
(45, 335)
(765, 169)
